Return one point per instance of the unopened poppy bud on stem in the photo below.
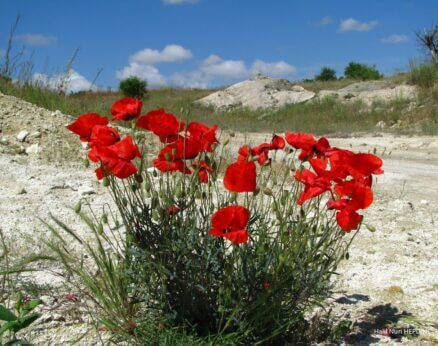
(105, 182)
(78, 207)
(267, 191)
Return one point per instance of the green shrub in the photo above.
(133, 87)
(361, 71)
(424, 75)
(326, 74)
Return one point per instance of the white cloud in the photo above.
(180, 2)
(170, 53)
(148, 72)
(191, 79)
(352, 24)
(273, 69)
(74, 82)
(324, 21)
(227, 69)
(37, 39)
(395, 39)
(213, 70)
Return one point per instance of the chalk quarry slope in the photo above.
(269, 93)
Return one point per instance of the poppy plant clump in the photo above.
(240, 245)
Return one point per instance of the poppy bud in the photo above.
(370, 228)
(155, 173)
(267, 191)
(138, 178)
(233, 197)
(124, 201)
(100, 228)
(179, 193)
(155, 215)
(86, 163)
(256, 191)
(105, 218)
(204, 195)
(133, 124)
(78, 207)
(117, 224)
(232, 134)
(154, 202)
(105, 182)
(134, 187)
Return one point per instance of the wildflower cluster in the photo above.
(245, 254)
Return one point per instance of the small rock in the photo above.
(394, 290)
(86, 190)
(298, 88)
(33, 149)
(22, 135)
(4, 141)
(424, 202)
(35, 134)
(56, 113)
(21, 191)
(381, 124)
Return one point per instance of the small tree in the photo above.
(326, 74)
(361, 71)
(428, 39)
(133, 87)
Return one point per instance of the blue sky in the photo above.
(202, 43)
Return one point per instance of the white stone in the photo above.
(85, 190)
(33, 149)
(21, 136)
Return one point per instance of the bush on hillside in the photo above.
(424, 75)
(133, 87)
(361, 71)
(326, 74)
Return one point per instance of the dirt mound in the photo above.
(258, 93)
(31, 130)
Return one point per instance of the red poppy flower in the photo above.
(360, 166)
(103, 135)
(117, 158)
(204, 170)
(172, 210)
(314, 185)
(277, 143)
(84, 124)
(182, 149)
(308, 144)
(244, 153)
(360, 195)
(230, 222)
(204, 134)
(240, 177)
(164, 165)
(348, 219)
(127, 108)
(163, 124)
